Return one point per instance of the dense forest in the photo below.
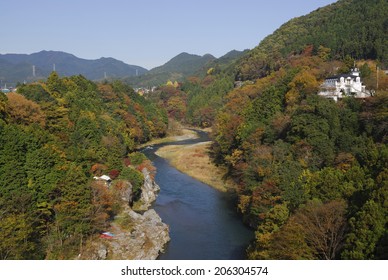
(54, 137)
(355, 28)
(311, 174)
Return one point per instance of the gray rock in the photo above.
(144, 241)
(140, 237)
(150, 191)
(102, 252)
(126, 192)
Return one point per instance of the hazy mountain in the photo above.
(18, 67)
(228, 61)
(180, 67)
(184, 63)
(230, 57)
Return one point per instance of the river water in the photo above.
(204, 224)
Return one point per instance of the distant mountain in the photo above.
(176, 69)
(230, 57)
(228, 61)
(184, 63)
(19, 67)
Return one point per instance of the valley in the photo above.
(292, 166)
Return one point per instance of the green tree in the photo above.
(16, 232)
(136, 178)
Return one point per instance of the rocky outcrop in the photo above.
(135, 236)
(144, 241)
(125, 191)
(142, 238)
(149, 191)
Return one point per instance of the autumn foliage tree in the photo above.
(55, 136)
(307, 169)
(24, 111)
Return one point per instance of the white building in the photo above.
(104, 178)
(340, 86)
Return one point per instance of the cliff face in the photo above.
(149, 191)
(135, 236)
(144, 241)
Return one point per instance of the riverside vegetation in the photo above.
(55, 136)
(311, 174)
(194, 160)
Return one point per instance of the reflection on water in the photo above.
(203, 221)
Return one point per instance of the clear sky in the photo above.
(147, 33)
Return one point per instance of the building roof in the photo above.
(103, 177)
(345, 76)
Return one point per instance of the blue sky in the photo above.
(144, 32)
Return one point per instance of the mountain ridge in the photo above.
(182, 66)
(183, 62)
(19, 67)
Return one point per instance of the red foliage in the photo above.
(113, 174)
(147, 164)
(127, 162)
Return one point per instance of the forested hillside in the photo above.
(343, 33)
(184, 66)
(54, 137)
(176, 69)
(311, 174)
(355, 28)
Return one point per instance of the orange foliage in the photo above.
(98, 169)
(208, 80)
(24, 111)
(149, 166)
(107, 92)
(102, 201)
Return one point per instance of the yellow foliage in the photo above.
(244, 201)
(210, 71)
(24, 111)
(235, 157)
(304, 82)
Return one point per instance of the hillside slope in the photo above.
(176, 69)
(57, 139)
(311, 172)
(357, 28)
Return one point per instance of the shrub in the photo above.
(135, 177)
(137, 158)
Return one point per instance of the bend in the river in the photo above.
(203, 221)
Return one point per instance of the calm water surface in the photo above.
(203, 222)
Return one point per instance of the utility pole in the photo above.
(33, 70)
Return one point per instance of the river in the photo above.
(204, 224)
